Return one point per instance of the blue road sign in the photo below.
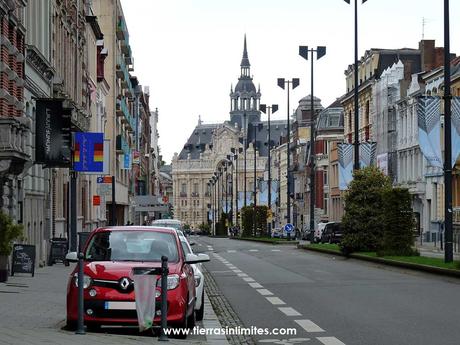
(289, 227)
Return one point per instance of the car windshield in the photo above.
(132, 246)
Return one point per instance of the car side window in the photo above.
(185, 248)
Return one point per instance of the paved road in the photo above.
(331, 300)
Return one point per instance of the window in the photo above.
(325, 178)
(195, 188)
(198, 203)
(183, 188)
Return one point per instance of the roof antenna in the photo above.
(423, 27)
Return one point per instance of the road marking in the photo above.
(248, 279)
(221, 271)
(253, 250)
(309, 326)
(275, 300)
(330, 341)
(237, 271)
(289, 311)
(264, 292)
(276, 250)
(242, 275)
(291, 341)
(231, 251)
(255, 285)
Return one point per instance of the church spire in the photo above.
(245, 65)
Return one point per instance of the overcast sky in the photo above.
(189, 51)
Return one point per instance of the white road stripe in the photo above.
(276, 250)
(289, 311)
(231, 251)
(248, 279)
(275, 300)
(237, 271)
(242, 275)
(309, 326)
(253, 250)
(264, 292)
(255, 285)
(330, 341)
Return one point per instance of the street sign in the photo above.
(289, 228)
(104, 179)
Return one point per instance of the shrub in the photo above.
(9, 232)
(363, 219)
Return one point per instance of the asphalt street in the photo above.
(332, 300)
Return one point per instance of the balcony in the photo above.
(122, 29)
(195, 194)
(121, 144)
(183, 194)
(123, 111)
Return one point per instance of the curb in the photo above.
(266, 242)
(417, 267)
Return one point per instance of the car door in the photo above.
(188, 271)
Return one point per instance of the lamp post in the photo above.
(257, 128)
(245, 139)
(355, 90)
(448, 249)
(269, 110)
(231, 159)
(282, 83)
(235, 158)
(320, 52)
(214, 179)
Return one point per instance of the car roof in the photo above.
(136, 228)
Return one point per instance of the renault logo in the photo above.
(124, 283)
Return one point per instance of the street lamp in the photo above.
(355, 90)
(245, 139)
(448, 249)
(320, 52)
(257, 128)
(269, 110)
(294, 83)
(235, 158)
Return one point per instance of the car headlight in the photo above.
(173, 281)
(86, 280)
(197, 280)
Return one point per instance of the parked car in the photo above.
(277, 233)
(308, 235)
(319, 231)
(109, 258)
(332, 233)
(199, 279)
(169, 223)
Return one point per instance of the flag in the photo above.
(429, 129)
(367, 154)
(345, 155)
(263, 193)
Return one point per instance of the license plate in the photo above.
(114, 305)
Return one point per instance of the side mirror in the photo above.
(196, 259)
(72, 257)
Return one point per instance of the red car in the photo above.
(110, 256)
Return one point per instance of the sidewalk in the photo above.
(33, 312)
(430, 250)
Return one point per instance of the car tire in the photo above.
(199, 314)
(191, 320)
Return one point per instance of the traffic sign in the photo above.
(104, 179)
(289, 228)
(96, 200)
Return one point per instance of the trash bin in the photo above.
(145, 293)
(58, 251)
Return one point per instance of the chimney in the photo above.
(427, 54)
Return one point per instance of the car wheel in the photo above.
(200, 312)
(191, 320)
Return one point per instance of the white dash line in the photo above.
(231, 251)
(264, 292)
(248, 279)
(309, 326)
(275, 300)
(242, 275)
(237, 271)
(289, 311)
(253, 250)
(330, 341)
(276, 250)
(255, 285)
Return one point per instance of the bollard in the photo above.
(80, 324)
(164, 298)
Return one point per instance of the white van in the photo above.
(319, 231)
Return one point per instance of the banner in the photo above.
(241, 199)
(53, 141)
(263, 193)
(367, 154)
(88, 152)
(226, 205)
(127, 160)
(382, 163)
(274, 195)
(455, 129)
(345, 155)
(429, 129)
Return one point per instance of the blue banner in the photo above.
(345, 155)
(88, 152)
(367, 152)
(241, 199)
(455, 129)
(429, 129)
(263, 193)
(127, 160)
(274, 195)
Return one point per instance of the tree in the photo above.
(9, 232)
(247, 220)
(363, 219)
(398, 223)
